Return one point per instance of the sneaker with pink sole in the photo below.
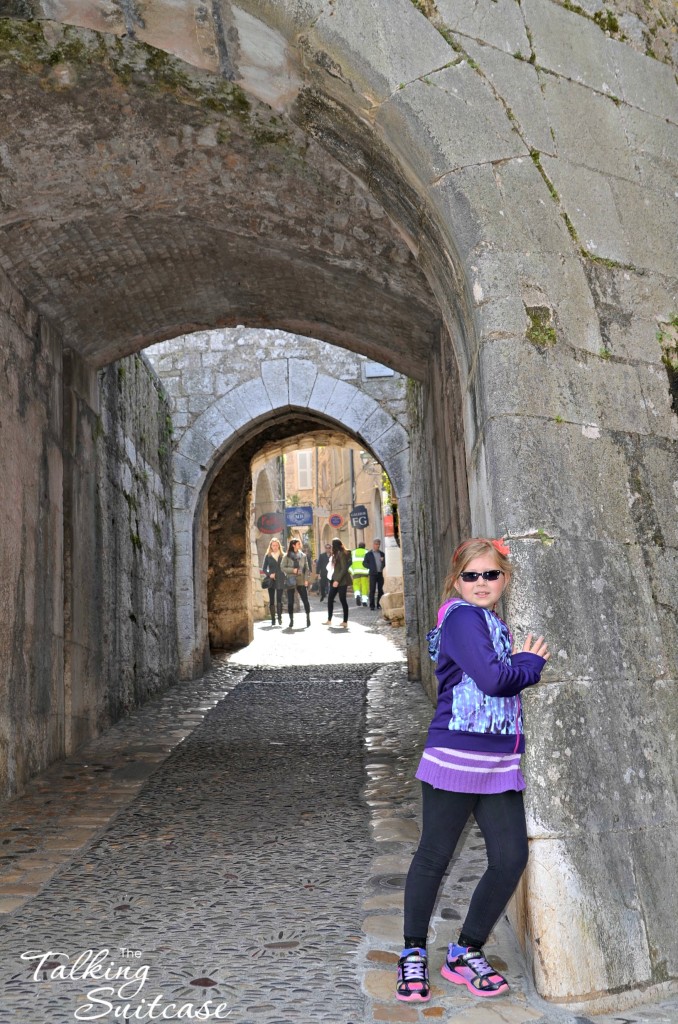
(470, 968)
(413, 984)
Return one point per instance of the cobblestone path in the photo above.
(244, 862)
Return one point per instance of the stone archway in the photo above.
(538, 231)
(233, 426)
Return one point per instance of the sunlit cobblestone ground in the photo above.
(248, 834)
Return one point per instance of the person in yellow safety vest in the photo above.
(361, 576)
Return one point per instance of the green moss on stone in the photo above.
(22, 42)
(536, 160)
(541, 331)
(74, 50)
(603, 261)
(667, 336)
(607, 21)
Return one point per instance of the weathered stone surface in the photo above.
(509, 207)
(562, 387)
(360, 409)
(645, 83)
(518, 85)
(567, 904)
(589, 201)
(375, 426)
(186, 133)
(99, 15)
(612, 463)
(558, 283)
(340, 400)
(500, 25)
(570, 45)
(322, 392)
(302, 374)
(650, 224)
(431, 121)
(31, 553)
(265, 65)
(624, 782)
(588, 128)
(614, 641)
(196, 447)
(383, 43)
(120, 635)
(655, 146)
(181, 29)
(275, 375)
(628, 306)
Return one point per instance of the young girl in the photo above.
(471, 765)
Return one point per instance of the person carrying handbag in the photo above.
(295, 568)
(274, 578)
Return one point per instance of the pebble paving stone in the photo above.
(249, 833)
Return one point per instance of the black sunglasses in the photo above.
(489, 574)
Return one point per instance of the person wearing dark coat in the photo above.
(375, 561)
(272, 570)
(321, 571)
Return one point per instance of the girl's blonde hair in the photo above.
(474, 548)
(274, 540)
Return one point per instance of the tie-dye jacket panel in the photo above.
(471, 716)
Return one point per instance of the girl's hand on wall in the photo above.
(537, 646)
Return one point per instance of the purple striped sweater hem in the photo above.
(465, 771)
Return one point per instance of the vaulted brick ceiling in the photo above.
(138, 202)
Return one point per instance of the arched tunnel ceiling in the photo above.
(279, 434)
(309, 438)
(141, 199)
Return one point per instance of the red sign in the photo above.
(337, 521)
(270, 522)
(388, 526)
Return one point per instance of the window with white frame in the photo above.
(305, 470)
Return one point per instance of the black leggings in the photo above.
(501, 819)
(275, 598)
(342, 597)
(303, 594)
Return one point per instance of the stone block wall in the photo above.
(87, 611)
(31, 603)
(119, 586)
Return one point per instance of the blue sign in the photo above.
(299, 515)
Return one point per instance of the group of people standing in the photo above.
(286, 573)
(290, 573)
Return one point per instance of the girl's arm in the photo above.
(466, 641)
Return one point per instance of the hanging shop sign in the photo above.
(299, 515)
(389, 530)
(337, 521)
(359, 517)
(270, 522)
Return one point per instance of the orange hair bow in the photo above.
(501, 547)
